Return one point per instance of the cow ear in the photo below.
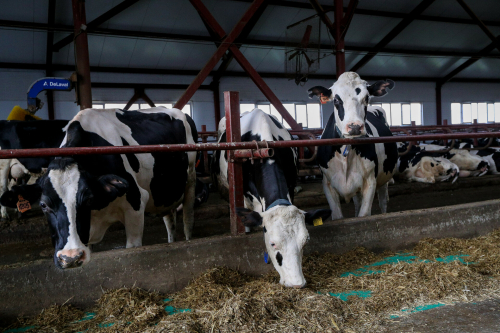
(379, 88)
(32, 193)
(249, 217)
(323, 93)
(315, 214)
(107, 189)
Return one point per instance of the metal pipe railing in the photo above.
(45, 152)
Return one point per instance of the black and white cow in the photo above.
(468, 163)
(490, 155)
(23, 135)
(356, 171)
(269, 190)
(82, 196)
(425, 167)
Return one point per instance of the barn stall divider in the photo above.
(169, 267)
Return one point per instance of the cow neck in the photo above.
(267, 181)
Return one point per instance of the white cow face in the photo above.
(285, 235)
(67, 195)
(436, 169)
(350, 96)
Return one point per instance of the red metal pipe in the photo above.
(17, 153)
(234, 168)
(254, 153)
(221, 50)
(84, 88)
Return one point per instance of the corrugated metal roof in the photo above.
(180, 17)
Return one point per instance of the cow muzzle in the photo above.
(354, 130)
(71, 258)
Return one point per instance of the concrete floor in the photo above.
(481, 317)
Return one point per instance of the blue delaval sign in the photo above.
(47, 83)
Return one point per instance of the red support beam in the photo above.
(393, 33)
(439, 111)
(480, 23)
(221, 50)
(339, 40)
(234, 169)
(96, 22)
(84, 91)
(48, 56)
(212, 23)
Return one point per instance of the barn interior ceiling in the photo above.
(168, 37)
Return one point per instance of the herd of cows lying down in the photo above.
(82, 196)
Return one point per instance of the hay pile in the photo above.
(223, 300)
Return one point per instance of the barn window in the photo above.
(309, 114)
(402, 114)
(484, 112)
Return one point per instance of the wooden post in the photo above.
(234, 169)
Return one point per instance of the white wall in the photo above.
(15, 83)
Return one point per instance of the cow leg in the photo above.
(4, 181)
(383, 197)
(369, 188)
(134, 228)
(333, 199)
(357, 203)
(189, 198)
(170, 221)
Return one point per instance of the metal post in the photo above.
(439, 111)
(339, 40)
(84, 90)
(445, 123)
(474, 130)
(235, 170)
(413, 132)
(48, 56)
(205, 153)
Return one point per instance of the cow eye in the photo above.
(45, 208)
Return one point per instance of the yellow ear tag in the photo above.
(23, 205)
(318, 221)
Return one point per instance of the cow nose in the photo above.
(68, 261)
(354, 129)
(298, 286)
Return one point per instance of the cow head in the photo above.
(285, 235)
(350, 96)
(67, 195)
(437, 169)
